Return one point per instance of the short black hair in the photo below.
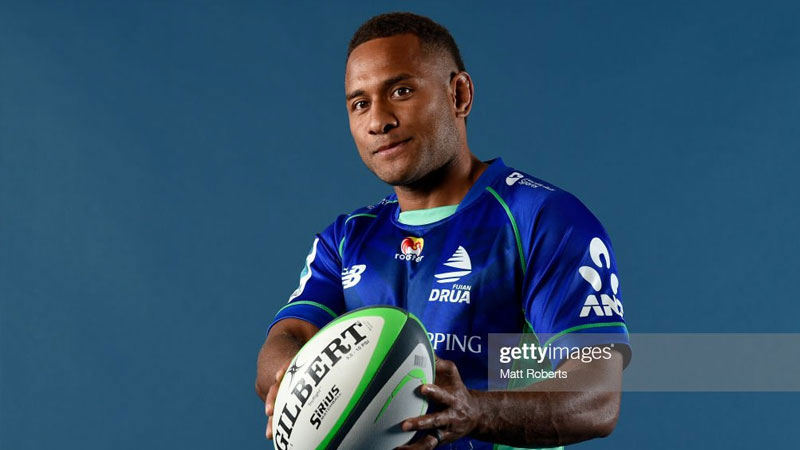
(430, 34)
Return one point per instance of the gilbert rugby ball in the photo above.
(353, 384)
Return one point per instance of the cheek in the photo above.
(433, 112)
(354, 131)
(430, 121)
(353, 126)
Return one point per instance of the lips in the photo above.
(390, 146)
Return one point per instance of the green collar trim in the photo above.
(426, 216)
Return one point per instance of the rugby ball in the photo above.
(354, 383)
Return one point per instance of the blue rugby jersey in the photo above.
(517, 255)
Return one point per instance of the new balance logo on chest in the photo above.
(352, 275)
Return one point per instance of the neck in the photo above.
(444, 186)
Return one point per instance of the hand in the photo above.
(457, 415)
(269, 404)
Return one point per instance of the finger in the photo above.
(269, 427)
(269, 405)
(279, 374)
(273, 390)
(426, 422)
(437, 394)
(447, 436)
(427, 442)
(446, 368)
(271, 395)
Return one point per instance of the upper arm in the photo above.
(319, 297)
(572, 294)
(285, 339)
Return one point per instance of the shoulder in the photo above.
(387, 204)
(345, 223)
(537, 206)
(527, 196)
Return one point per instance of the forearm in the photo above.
(555, 412)
(280, 346)
(545, 419)
(273, 355)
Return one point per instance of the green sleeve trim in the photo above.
(306, 302)
(584, 327)
(360, 215)
(513, 225)
(528, 336)
(528, 328)
(341, 243)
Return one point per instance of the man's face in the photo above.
(401, 108)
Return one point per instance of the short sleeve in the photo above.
(571, 290)
(319, 297)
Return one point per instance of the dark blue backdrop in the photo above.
(164, 165)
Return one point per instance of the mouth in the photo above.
(391, 147)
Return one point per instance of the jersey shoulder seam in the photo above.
(370, 211)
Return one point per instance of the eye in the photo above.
(401, 92)
(359, 105)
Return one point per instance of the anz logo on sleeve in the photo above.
(606, 305)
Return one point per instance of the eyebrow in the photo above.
(385, 84)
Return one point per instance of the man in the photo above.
(470, 248)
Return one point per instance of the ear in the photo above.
(462, 93)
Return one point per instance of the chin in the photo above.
(394, 174)
(396, 178)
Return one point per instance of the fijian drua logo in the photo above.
(459, 265)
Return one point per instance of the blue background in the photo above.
(164, 165)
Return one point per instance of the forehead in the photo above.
(382, 58)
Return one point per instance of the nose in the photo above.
(381, 119)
